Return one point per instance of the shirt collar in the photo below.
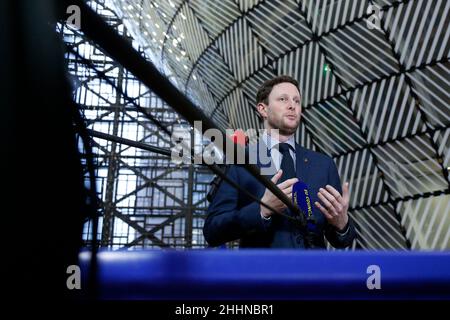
(271, 142)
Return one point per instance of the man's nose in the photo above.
(291, 104)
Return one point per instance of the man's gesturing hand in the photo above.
(272, 200)
(334, 206)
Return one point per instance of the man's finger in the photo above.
(287, 183)
(323, 210)
(334, 192)
(346, 192)
(287, 190)
(277, 176)
(327, 204)
(334, 202)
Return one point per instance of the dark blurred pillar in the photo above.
(42, 207)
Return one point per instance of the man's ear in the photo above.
(262, 109)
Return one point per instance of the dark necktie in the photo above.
(287, 164)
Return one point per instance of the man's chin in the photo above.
(287, 131)
(289, 128)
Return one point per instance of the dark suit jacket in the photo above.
(233, 215)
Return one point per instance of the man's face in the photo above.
(284, 108)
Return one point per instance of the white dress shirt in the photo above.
(275, 153)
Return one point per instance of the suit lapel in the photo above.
(302, 164)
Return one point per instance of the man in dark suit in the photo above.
(232, 215)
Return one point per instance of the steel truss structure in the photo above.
(146, 200)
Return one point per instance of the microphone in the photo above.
(301, 197)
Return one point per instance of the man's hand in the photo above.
(334, 206)
(272, 200)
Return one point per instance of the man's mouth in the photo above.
(291, 117)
